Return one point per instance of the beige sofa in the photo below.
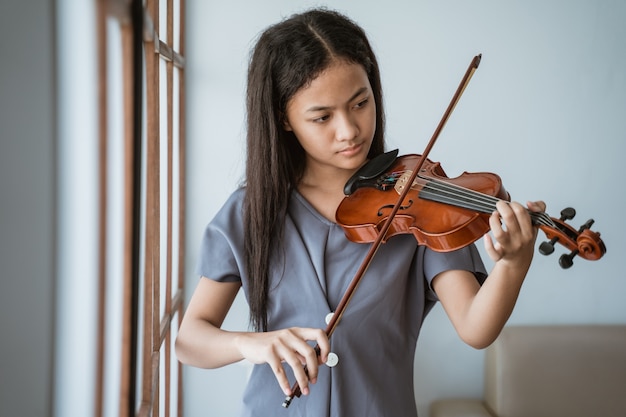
(550, 371)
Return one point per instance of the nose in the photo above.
(347, 128)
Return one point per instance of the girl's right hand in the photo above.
(287, 345)
(202, 343)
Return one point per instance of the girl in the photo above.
(314, 117)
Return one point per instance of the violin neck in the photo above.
(454, 195)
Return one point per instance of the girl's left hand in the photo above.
(514, 233)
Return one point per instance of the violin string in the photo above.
(474, 200)
(470, 199)
(456, 195)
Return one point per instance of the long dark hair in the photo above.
(287, 57)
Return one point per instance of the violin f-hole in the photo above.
(390, 206)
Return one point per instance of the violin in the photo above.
(445, 214)
(442, 213)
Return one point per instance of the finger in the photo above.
(314, 356)
(509, 213)
(323, 345)
(491, 250)
(536, 206)
(495, 224)
(287, 348)
(523, 219)
(280, 375)
(305, 355)
(300, 372)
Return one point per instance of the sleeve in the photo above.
(221, 248)
(466, 259)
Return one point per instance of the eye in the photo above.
(321, 119)
(362, 103)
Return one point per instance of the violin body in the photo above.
(441, 228)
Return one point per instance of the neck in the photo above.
(323, 189)
(327, 180)
(328, 185)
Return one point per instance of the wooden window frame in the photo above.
(150, 313)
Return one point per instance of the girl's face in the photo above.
(334, 119)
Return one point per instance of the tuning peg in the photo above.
(546, 248)
(586, 226)
(568, 213)
(567, 260)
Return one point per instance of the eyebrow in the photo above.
(322, 108)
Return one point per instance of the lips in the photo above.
(351, 150)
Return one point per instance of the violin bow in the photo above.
(343, 303)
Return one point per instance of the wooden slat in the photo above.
(147, 406)
(152, 341)
(128, 372)
(167, 319)
(178, 305)
(169, 69)
(152, 216)
(101, 39)
(120, 10)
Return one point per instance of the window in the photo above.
(141, 194)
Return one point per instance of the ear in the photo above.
(285, 122)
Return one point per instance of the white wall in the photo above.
(545, 111)
(27, 207)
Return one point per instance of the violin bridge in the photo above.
(402, 181)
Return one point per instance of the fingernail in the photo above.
(287, 390)
(305, 390)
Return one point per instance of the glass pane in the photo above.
(176, 237)
(176, 26)
(163, 184)
(141, 325)
(162, 384)
(115, 221)
(173, 388)
(163, 21)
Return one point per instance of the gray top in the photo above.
(375, 339)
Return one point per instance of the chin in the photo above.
(355, 163)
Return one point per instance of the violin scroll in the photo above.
(582, 242)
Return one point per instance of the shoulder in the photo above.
(235, 199)
(233, 204)
(229, 218)
(221, 245)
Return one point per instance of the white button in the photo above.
(329, 317)
(333, 359)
